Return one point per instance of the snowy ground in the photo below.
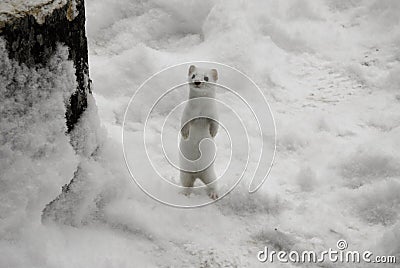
(330, 70)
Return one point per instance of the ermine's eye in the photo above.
(193, 76)
(206, 78)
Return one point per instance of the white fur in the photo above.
(198, 124)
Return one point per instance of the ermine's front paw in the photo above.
(185, 131)
(213, 195)
(213, 130)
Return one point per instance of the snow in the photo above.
(36, 156)
(329, 70)
(40, 9)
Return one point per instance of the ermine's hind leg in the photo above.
(187, 181)
(208, 177)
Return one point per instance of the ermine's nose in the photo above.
(197, 83)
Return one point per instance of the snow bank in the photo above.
(325, 67)
(378, 203)
(36, 156)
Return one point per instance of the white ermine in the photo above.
(199, 122)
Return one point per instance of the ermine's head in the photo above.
(201, 80)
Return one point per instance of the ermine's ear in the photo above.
(191, 69)
(214, 74)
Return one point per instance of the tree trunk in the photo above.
(33, 32)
